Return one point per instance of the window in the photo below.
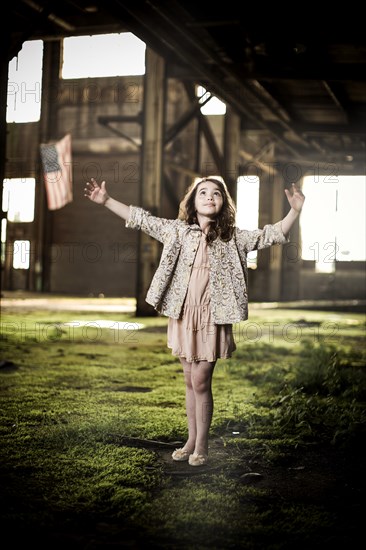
(247, 205)
(25, 84)
(4, 222)
(214, 106)
(103, 55)
(333, 221)
(21, 254)
(18, 199)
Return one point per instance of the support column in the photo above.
(291, 252)
(231, 150)
(275, 264)
(149, 250)
(266, 282)
(48, 131)
(4, 65)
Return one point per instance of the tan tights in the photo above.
(199, 404)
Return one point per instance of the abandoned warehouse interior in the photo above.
(295, 106)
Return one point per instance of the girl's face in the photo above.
(208, 200)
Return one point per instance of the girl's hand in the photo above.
(295, 197)
(96, 193)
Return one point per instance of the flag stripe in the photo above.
(57, 171)
(54, 196)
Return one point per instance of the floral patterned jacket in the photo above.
(228, 265)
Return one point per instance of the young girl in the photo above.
(201, 285)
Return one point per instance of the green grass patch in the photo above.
(83, 404)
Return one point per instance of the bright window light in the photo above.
(18, 199)
(247, 207)
(21, 254)
(333, 221)
(4, 222)
(25, 84)
(214, 106)
(103, 55)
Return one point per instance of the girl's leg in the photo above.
(201, 382)
(199, 404)
(190, 406)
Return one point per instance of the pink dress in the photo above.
(195, 337)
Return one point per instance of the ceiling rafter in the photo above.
(302, 85)
(215, 77)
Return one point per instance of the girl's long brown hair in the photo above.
(223, 225)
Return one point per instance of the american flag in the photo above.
(57, 171)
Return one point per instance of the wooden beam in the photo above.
(231, 150)
(48, 131)
(151, 173)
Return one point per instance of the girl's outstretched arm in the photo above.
(99, 195)
(296, 200)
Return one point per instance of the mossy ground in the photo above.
(91, 414)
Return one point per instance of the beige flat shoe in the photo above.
(197, 460)
(180, 455)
